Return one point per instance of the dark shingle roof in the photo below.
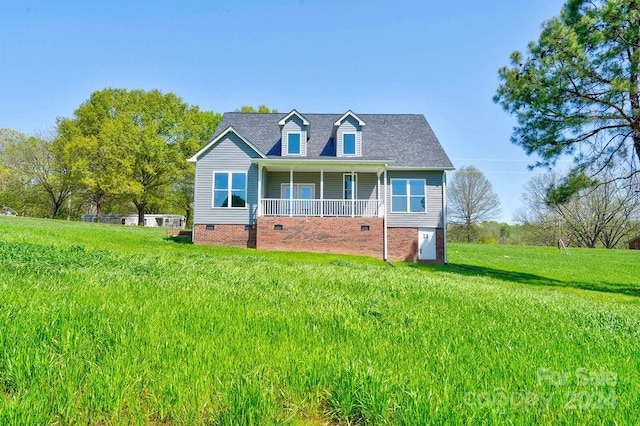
(406, 139)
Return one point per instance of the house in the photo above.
(150, 220)
(371, 184)
(7, 211)
(635, 243)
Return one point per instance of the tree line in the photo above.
(121, 151)
(607, 215)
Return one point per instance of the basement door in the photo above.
(426, 244)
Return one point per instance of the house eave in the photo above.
(347, 114)
(411, 168)
(292, 113)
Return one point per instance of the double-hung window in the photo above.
(229, 189)
(408, 196)
(293, 143)
(349, 143)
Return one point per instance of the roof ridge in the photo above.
(324, 113)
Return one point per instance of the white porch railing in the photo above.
(298, 207)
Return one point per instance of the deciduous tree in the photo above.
(95, 144)
(602, 216)
(262, 109)
(133, 143)
(471, 199)
(33, 161)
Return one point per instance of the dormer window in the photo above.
(294, 128)
(349, 143)
(293, 143)
(348, 135)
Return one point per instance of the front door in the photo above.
(426, 244)
(301, 191)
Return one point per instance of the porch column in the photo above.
(384, 217)
(321, 191)
(353, 194)
(290, 191)
(384, 211)
(259, 209)
(378, 207)
(444, 214)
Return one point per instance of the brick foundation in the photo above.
(402, 245)
(322, 234)
(225, 235)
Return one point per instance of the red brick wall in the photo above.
(225, 235)
(322, 234)
(402, 245)
(439, 246)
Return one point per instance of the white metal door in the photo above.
(426, 244)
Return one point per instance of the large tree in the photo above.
(471, 199)
(576, 91)
(133, 143)
(94, 143)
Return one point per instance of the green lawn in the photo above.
(610, 271)
(111, 325)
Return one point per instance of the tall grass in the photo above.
(107, 324)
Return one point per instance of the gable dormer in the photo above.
(348, 131)
(295, 134)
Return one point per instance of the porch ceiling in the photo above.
(328, 166)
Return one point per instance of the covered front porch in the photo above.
(317, 189)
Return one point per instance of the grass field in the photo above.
(116, 325)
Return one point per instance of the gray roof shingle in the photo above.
(406, 139)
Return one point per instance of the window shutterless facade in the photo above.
(293, 144)
(408, 196)
(229, 190)
(349, 144)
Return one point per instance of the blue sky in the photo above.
(439, 59)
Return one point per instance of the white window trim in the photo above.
(299, 154)
(355, 186)
(296, 185)
(355, 144)
(408, 196)
(230, 189)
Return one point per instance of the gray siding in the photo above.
(366, 189)
(433, 218)
(230, 154)
(349, 125)
(295, 125)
